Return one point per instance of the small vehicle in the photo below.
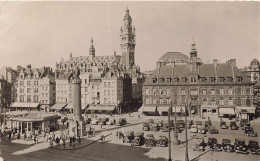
(194, 129)
(94, 122)
(154, 127)
(240, 146)
(244, 123)
(212, 143)
(199, 145)
(103, 121)
(223, 125)
(226, 145)
(165, 129)
(163, 141)
(178, 130)
(202, 129)
(181, 124)
(146, 127)
(198, 123)
(213, 130)
(233, 125)
(189, 123)
(253, 146)
(207, 124)
(150, 121)
(88, 121)
(138, 139)
(251, 132)
(121, 122)
(150, 141)
(159, 122)
(128, 136)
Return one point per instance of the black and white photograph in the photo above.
(129, 80)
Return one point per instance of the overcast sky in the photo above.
(41, 33)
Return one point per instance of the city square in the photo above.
(192, 96)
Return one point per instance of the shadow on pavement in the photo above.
(198, 157)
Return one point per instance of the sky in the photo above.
(41, 33)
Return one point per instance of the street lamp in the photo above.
(175, 140)
(186, 136)
(169, 131)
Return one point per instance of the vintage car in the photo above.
(146, 127)
(198, 123)
(253, 146)
(150, 121)
(128, 136)
(159, 122)
(178, 129)
(212, 143)
(181, 124)
(251, 132)
(94, 121)
(103, 121)
(226, 145)
(121, 122)
(150, 141)
(233, 125)
(111, 122)
(163, 141)
(189, 123)
(154, 127)
(88, 120)
(138, 139)
(194, 129)
(246, 128)
(202, 129)
(199, 144)
(208, 124)
(240, 146)
(223, 125)
(213, 130)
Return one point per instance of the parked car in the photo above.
(138, 139)
(198, 123)
(223, 125)
(128, 136)
(103, 121)
(212, 143)
(94, 121)
(253, 146)
(150, 141)
(194, 129)
(154, 127)
(246, 128)
(226, 145)
(240, 146)
(178, 130)
(189, 123)
(207, 124)
(159, 122)
(251, 132)
(163, 141)
(88, 120)
(213, 130)
(233, 125)
(244, 123)
(150, 121)
(202, 129)
(181, 124)
(121, 122)
(146, 127)
(199, 144)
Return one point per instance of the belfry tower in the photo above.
(127, 41)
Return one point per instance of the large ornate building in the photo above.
(211, 90)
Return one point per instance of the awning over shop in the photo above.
(24, 105)
(246, 109)
(227, 111)
(58, 106)
(69, 106)
(149, 109)
(163, 109)
(178, 109)
(209, 106)
(102, 108)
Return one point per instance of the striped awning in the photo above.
(24, 105)
(102, 108)
(58, 106)
(69, 106)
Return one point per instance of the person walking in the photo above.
(25, 136)
(18, 136)
(36, 139)
(64, 143)
(67, 124)
(79, 140)
(117, 134)
(9, 135)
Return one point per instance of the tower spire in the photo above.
(92, 49)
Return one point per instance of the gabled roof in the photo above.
(65, 76)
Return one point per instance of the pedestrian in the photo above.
(9, 135)
(70, 141)
(58, 126)
(25, 136)
(79, 140)
(57, 140)
(13, 134)
(67, 124)
(114, 121)
(139, 116)
(18, 136)
(36, 139)
(64, 143)
(117, 134)
(51, 143)
(101, 125)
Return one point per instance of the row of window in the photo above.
(109, 92)
(29, 82)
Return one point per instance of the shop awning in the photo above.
(246, 109)
(24, 105)
(58, 106)
(69, 106)
(102, 108)
(209, 106)
(163, 109)
(227, 111)
(149, 109)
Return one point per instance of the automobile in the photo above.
(194, 129)
(246, 128)
(199, 144)
(251, 132)
(198, 123)
(189, 123)
(150, 121)
(202, 129)
(244, 123)
(154, 127)
(223, 125)
(159, 122)
(111, 122)
(213, 130)
(178, 129)
(240, 146)
(253, 146)
(150, 141)
(146, 127)
(121, 122)
(165, 129)
(138, 139)
(181, 124)
(88, 120)
(208, 124)
(212, 143)
(233, 125)
(103, 121)
(94, 121)
(163, 141)
(128, 136)
(226, 145)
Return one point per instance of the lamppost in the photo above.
(169, 131)
(186, 135)
(175, 140)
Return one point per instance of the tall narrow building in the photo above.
(127, 39)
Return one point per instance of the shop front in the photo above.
(246, 113)
(209, 111)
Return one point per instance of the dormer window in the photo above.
(154, 80)
(193, 79)
(212, 79)
(239, 79)
(169, 80)
(203, 79)
(161, 80)
(221, 79)
(229, 79)
(184, 79)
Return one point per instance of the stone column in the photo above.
(76, 98)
